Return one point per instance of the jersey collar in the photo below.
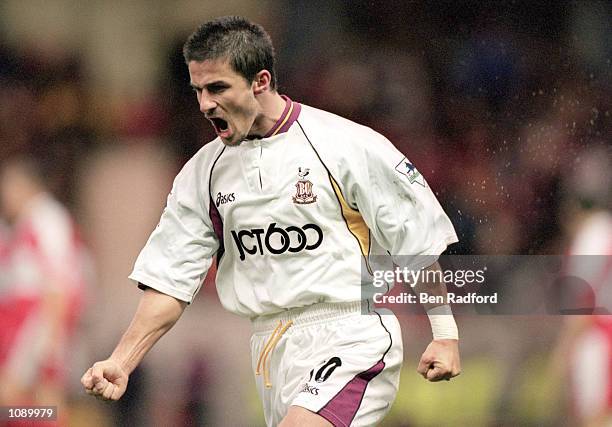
(289, 116)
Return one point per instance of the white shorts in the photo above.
(330, 359)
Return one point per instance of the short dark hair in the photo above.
(245, 44)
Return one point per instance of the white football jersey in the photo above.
(292, 217)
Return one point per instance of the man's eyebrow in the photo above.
(210, 84)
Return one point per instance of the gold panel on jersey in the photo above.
(355, 223)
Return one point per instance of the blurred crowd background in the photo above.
(504, 107)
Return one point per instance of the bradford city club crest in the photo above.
(304, 194)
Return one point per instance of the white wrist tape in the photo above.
(442, 322)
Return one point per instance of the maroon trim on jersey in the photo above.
(343, 407)
(217, 223)
(287, 118)
(213, 212)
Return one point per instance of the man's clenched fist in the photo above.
(105, 380)
(440, 360)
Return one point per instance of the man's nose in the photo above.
(206, 103)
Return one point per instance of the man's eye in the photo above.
(216, 89)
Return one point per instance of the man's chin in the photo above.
(232, 140)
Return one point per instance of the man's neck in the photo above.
(272, 107)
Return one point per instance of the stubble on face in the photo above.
(225, 98)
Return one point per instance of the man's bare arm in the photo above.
(440, 361)
(155, 315)
(434, 288)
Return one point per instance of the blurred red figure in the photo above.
(584, 351)
(42, 277)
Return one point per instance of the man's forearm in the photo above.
(155, 315)
(434, 288)
(443, 324)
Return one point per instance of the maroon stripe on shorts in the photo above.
(341, 409)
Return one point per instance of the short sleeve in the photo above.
(179, 252)
(398, 205)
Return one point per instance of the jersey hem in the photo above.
(431, 256)
(449, 239)
(164, 289)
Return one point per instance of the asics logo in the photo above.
(224, 198)
(277, 240)
(309, 389)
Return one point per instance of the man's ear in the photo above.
(261, 82)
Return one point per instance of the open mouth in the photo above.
(221, 126)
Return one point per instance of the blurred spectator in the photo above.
(44, 269)
(584, 351)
